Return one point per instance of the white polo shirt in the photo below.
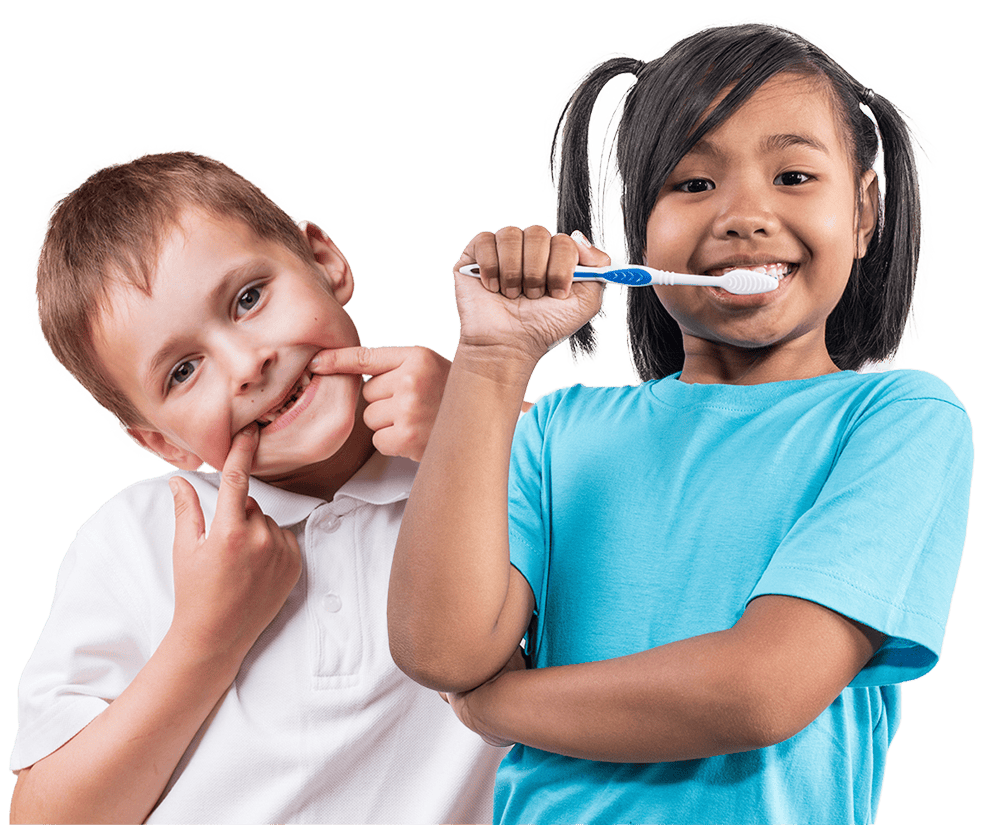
(319, 725)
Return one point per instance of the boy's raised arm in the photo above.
(457, 609)
(229, 586)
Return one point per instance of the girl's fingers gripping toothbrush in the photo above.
(736, 281)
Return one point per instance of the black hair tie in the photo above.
(867, 96)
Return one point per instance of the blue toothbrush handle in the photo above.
(626, 275)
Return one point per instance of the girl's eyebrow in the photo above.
(775, 143)
(772, 143)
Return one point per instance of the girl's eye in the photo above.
(695, 186)
(182, 372)
(791, 178)
(248, 300)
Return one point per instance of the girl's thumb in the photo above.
(590, 255)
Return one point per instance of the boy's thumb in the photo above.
(188, 519)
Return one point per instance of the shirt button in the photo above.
(329, 524)
(332, 603)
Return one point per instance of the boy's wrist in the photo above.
(216, 668)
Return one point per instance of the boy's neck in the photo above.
(322, 480)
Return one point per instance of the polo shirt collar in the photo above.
(381, 480)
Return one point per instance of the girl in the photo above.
(725, 572)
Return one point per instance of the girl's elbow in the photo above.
(433, 665)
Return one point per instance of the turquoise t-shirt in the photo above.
(644, 515)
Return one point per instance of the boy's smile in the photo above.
(774, 187)
(225, 340)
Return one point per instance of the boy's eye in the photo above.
(696, 185)
(248, 300)
(182, 372)
(791, 178)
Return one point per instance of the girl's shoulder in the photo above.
(907, 384)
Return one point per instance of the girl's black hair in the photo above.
(659, 125)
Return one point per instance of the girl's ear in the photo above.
(156, 442)
(868, 218)
(331, 260)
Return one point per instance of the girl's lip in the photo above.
(293, 412)
(755, 300)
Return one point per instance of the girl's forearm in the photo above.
(750, 686)
(117, 767)
(456, 609)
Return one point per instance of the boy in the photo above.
(240, 674)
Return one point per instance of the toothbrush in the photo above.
(736, 281)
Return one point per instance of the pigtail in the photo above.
(575, 195)
(867, 325)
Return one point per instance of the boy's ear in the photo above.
(331, 260)
(156, 442)
(868, 219)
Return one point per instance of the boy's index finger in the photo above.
(234, 481)
(358, 360)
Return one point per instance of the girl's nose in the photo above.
(746, 214)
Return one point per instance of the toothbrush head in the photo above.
(747, 282)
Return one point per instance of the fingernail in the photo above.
(512, 292)
(173, 487)
(581, 239)
(534, 292)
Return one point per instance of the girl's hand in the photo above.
(463, 703)
(525, 301)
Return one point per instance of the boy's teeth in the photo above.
(268, 417)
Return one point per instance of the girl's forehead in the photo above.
(788, 107)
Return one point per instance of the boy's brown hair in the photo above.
(108, 233)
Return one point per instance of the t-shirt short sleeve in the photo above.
(881, 545)
(85, 657)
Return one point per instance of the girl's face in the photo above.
(773, 186)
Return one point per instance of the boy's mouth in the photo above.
(288, 402)
(776, 270)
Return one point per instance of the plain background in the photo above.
(405, 128)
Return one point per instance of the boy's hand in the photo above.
(525, 301)
(403, 394)
(231, 583)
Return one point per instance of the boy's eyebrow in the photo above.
(237, 274)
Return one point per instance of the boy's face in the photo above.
(225, 339)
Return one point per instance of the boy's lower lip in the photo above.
(289, 415)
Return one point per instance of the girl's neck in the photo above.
(708, 362)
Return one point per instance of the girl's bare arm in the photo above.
(751, 686)
(457, 610)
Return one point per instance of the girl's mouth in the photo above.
(778, 271)
(289, 402)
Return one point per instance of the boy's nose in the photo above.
(249, 366)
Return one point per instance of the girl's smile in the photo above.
(773, 186)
